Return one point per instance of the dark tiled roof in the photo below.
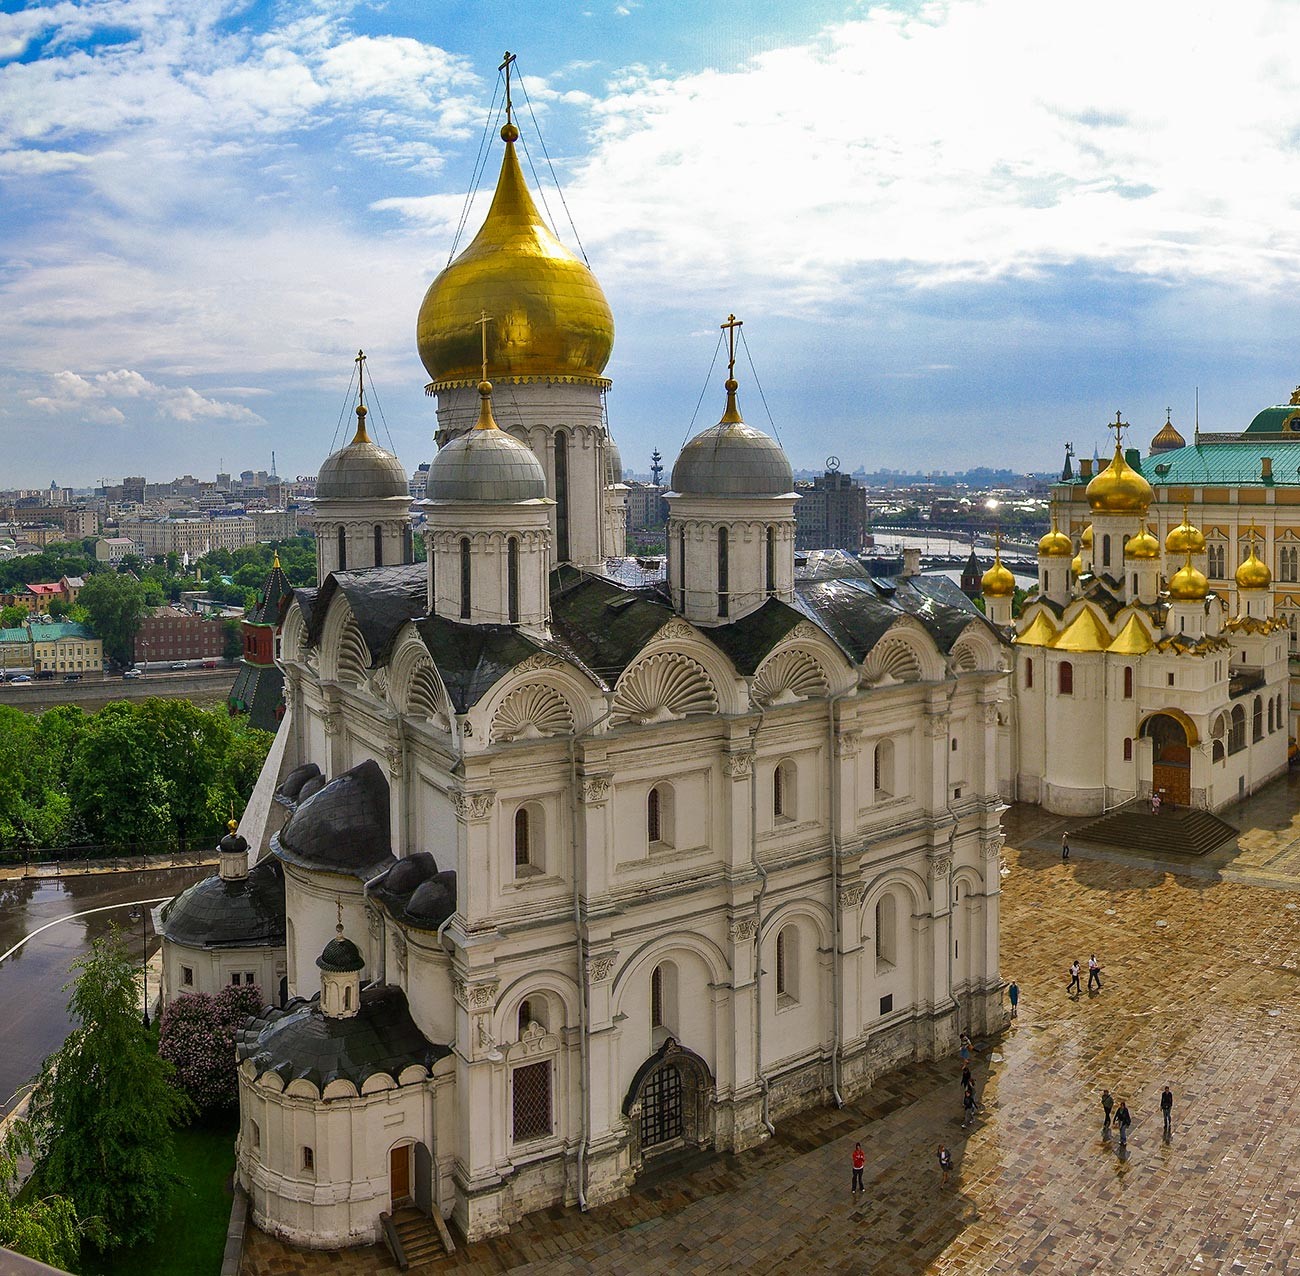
(382, 600)
(343, 828)
(301, 1043)
(273, 601)
(259, 692)
(415, 892)
(471, 658)
(604, 624)
(748, 640)
(215, 913)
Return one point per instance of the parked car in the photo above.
(22, 677)
(131, 673)
(71, 677)
(45, 675)
(179, 664)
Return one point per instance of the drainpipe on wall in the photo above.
(952, 832)
(837, 961)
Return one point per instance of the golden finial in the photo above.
(732, 414)
(485, 419)
(338, 903)
(275, 559)
(1118, 425)
(231, 825)
(509, 133)
(361, 436)
(1295, 396)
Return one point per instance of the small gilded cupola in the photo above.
(1254, 583)
(998, 588)
(1168, 440)
(731, 516)
(1054, 553)
(233, 851)
(361, 511)
(488, 534)
(1188, 589)
(1142, 566)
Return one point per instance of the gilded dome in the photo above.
(1254, 573)
(1076, 565)
(1188, 584)
(1185, 539)
(732, 459)
(485, 465)
(997, 582)
(1056, 544)
(1119, 488)
(1142, 546)
(548, 318)
(361, 471)
(1085, 540)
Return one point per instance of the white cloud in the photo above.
(106, 398)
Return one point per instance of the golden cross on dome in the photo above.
(730, 329)
(1117, 425)
(1252, 531)
(505, 66)
(360, 361)
(483, 322)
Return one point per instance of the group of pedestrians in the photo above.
(1120, 1118)
(1075, 971)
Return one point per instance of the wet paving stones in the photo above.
(1208, 1002)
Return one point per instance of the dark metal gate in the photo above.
(661, 1107)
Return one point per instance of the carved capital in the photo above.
(600, 966)
(474, 806)
(476, 998)
(738, 765)
(399, 947)
(935, 725)
(940, 867)
(331, 722)
(991, 845)
(595, 789)
(849, 744)
(393, 756)
(989, 714)
(851, 896)
(741, 930)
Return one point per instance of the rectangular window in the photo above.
(234, 980)
(887, 1004)
(187, 976)
(531, 1101)
(308, 1160)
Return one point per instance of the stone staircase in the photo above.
(414, 1237)
(1182, 832)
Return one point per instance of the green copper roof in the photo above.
(1275, 420)
(13, 635)
(62, 629)
(1234, 464)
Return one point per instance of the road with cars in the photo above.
(198, 684)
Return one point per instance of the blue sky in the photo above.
(959, 233)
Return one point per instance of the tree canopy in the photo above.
(45, 1228)
(116, 605)
(99, 1127)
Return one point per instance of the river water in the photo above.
(33, 1004)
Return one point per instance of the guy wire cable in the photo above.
(480, 163)
(708, 378)
(759, 386)
(559, 190)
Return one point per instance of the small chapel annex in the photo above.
(1133, 676)
(588, 860)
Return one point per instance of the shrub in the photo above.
(198, 1039)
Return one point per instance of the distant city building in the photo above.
(832, 513)
(192, 536)
(172, 633)
(133, 489)
(646, 507)
(113, 549)
(274, 525)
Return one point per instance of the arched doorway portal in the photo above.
(669, 1103)
(1171, 758)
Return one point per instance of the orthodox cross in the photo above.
(483, 322)
(730, 329)
(505, 66)
(1169, 415)
(1251, 532)
(1117, 425)
(339, 905)
(360, 361)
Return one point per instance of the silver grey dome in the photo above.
(486, 466)
(361, 471)
(613, 461)
(732, 459)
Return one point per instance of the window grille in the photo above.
(532, 1101)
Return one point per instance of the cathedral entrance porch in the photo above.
(669, 1105)
(1171, 759)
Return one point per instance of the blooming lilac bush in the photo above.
(198, 1037)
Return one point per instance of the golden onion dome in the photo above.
(1076, 565)
(1143, 546)
(1056, 544)
(1254, 573)
(1119, 488)
(1085, 541)
(997, 582)
(548, 318)
(1185, 539)
(1188, 584)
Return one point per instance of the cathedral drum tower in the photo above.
(550, 335)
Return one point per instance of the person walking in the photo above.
(1123, 1120)
(968, 1106)
(1073, 985)
(1065, 846)
(1013, 992)
(945, 1162)
(1167, 1110)
(1107, 1103)
(967, 1080)
(1094, 972)
(859, 1164)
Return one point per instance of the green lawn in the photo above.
(192, 1238)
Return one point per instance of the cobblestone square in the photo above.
(1199, 992)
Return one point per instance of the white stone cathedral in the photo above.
(586, 861)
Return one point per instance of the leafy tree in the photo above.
(59, 608)
(103, 1108)
(116, 605)
(12, 617)
(45, 1228)
(198, 1038)
(232, 639)
(154, 594)
(34, 808)
(244, 758)
(118, 782)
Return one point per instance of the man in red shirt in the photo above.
(859, 1164)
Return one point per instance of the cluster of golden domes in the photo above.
(549, 318)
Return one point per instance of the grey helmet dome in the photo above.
(732, 459)
(613, 462)
(485, 465)
(341, 956)
(361, 471)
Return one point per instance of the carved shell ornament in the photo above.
(530, 712)
(965, 659)
(427, 699)
(787, 677)
(891, 662)
(353, 658)
(662, 688)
